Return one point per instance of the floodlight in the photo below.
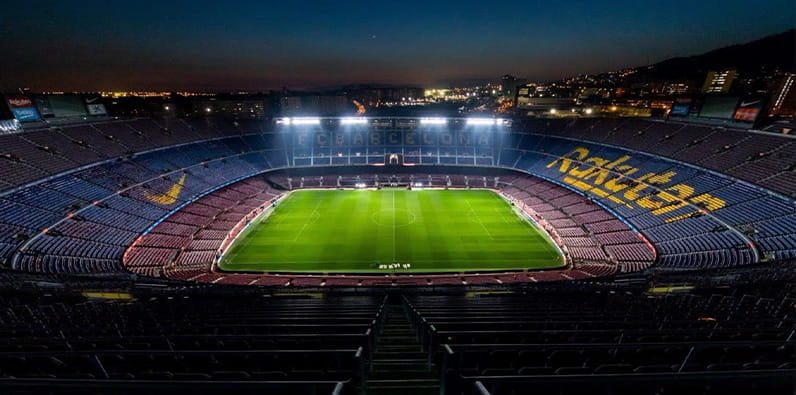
(481, 121)
(353, 121)
(306, 121)
(284, 121)
(433, 121)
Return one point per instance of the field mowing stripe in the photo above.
(502, 215)
(478, 218)
(309, 219)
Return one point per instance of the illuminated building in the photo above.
(783, 97)
(719, 81)
(509, 85)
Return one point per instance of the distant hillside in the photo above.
(775, 51)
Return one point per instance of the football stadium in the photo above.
(397, 255)
(398, 198)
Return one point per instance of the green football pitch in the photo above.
(366, 231)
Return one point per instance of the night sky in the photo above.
(260, 45)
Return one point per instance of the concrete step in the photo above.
(402, 336)
(397, 340)
(404, 382)
(391, 331)
(399, 364)
(386, 361)
(402, 389)
(401, 354)
(408, 374)
(399, 347)
(387, 328)
(397, 320)
(409, 336)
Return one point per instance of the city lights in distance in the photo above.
(433, 121)
(353, 121)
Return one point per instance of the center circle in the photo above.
(393, 217)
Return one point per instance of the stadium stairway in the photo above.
(399, 364)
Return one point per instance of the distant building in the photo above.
(593, 94)
(374, 96)
(509, 85)
(676, 88)
(719, 81)
(289, 105)
(334, 105)
(529, 99)
(238, 107)
(315, 104)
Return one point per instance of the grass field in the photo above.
(361, 231)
